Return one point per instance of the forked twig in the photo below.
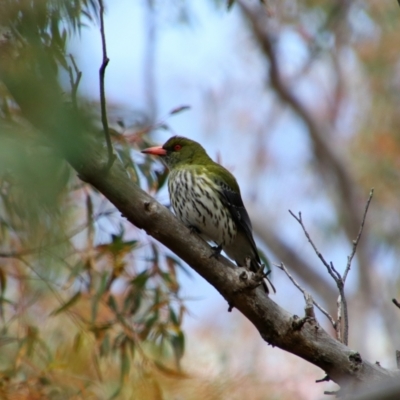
(337, 277)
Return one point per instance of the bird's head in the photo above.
(179, 151)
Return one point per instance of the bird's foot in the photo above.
(216, 251)
(258, 278)
(261, 274)
(264, 275)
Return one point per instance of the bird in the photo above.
(206, 198)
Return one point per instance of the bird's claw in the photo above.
(216, 251)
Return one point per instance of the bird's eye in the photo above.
(177, 147)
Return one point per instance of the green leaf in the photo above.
(140, 280)
(131, 347)
(169, 371)
(97, 297)
(67, 305)
(105, 346)
(178, 344)
(112, 304)
(77, 269)
(77, 342)
(132, 301)
(143, 334)
(3, 281)
(173, 317)
(125, 363)
(116, 393)
(179, 263)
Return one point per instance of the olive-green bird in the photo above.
(206, 198)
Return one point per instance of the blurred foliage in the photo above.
(368, 31)
(89, 307)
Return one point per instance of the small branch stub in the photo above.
(147, 205)
(150, 207)
(355, 360)
(298, 323)
(243, 276)
(309, 308)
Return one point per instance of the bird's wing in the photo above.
(239, 214)
(234, 202)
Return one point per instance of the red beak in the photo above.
(155, 151)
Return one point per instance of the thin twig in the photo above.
(342, 280)
(320, 256)
(338, 326)
(341, 301)
(355, 242)
(345, 317)
(103, 105)
(396, 303)
(342, 309)
(74, 81)
(338, 276)
(305, 294)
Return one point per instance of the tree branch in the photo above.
(274, 324)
